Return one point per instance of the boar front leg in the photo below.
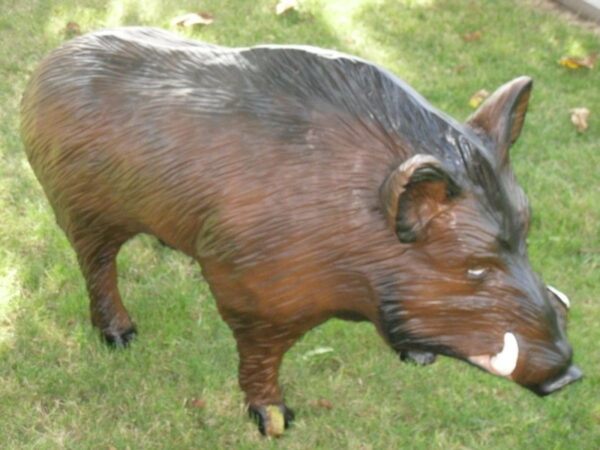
(261, 351)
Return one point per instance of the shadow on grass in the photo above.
(53, 365)
(450, 49)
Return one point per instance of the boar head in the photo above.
(469, 291)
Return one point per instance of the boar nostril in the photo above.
(572, 374)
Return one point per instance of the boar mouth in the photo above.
(503, 363)
(568, 376)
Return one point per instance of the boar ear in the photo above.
(413, 193)
(501, 116)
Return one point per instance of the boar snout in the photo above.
(568, 376)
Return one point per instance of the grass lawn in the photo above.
(176, 386)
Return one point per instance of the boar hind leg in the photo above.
(260, 354)
(97, 253)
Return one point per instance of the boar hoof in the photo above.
(272, 420)
(420, 358)
(119, 340)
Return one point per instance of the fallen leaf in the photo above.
(478, 97)
(197, 403)
(275, 423)
(579, 117)
(72, 29)
(469, 37)
(569, 63)
(191, 19)
(285, 6)
(572, 62)
(317, 351)
(323, 403)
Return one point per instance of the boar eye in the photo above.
(477, 273)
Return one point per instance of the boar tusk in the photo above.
(504, 363)
(562, 297)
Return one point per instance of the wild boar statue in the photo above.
(308, 184)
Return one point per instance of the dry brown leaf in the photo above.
(469, 37)
(478, 97)
(191, 19)
(571, 62)
(459, 68)
(196, 403)
(323, 403)
(72, 29)
(275, 422)
(285, 6)
(579, 117)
